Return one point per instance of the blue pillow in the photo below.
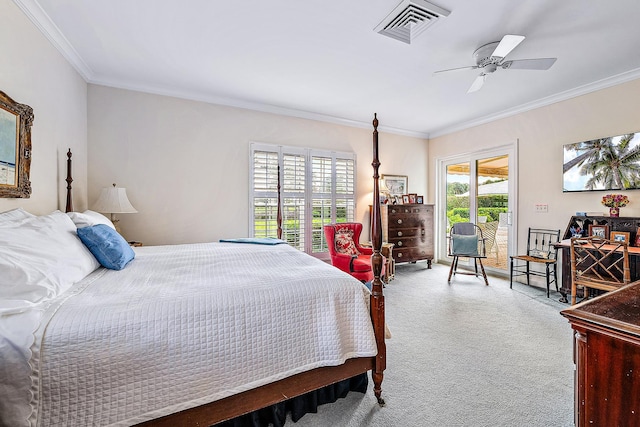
(109, 247)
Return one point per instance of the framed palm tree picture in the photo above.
(611, 163)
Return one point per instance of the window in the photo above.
(316, 188)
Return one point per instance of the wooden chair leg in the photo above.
(453, 263)
(486, 282)
(528, 283)
(548, 280)
(555, 276)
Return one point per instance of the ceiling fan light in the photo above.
(490, 68)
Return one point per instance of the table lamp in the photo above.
(113, 200)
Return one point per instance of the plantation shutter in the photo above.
(317, 188)
(265, 193)
(293, 200)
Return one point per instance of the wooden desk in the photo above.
(565, 249)
(607, 358)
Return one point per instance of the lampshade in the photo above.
(113, 200)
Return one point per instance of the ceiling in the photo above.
(323, 60)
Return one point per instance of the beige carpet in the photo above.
(465, 355)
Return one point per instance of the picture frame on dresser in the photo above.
(405, 199)
(412, 198)
(397, 185)
(420, 200)
(599, 231)
(620, 236)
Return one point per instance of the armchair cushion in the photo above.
(464, 245)
(344, 242)
(361, 264)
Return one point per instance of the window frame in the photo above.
(309, 195)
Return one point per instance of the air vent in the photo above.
(410, 19)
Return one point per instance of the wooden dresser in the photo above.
(607, 358)
(410, 229)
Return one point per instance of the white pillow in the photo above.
(15, 214)
(89, 218)
(40, 258)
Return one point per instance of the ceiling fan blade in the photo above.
(477, 83)
(530, 64)
(471, 67)
(506, 45)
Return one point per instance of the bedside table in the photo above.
(390, 264)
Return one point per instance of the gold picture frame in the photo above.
(15, 148)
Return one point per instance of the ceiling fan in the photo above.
(492, 55)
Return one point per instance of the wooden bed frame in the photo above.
(296, 385)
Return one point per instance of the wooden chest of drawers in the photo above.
(410, 229)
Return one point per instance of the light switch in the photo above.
(542, 208)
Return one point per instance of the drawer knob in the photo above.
(399, 221)
(399, 254)
(399, 233)
(399, 243)
(393, 211)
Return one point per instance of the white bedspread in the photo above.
(182, 326)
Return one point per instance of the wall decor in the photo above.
(420, 200)
(396, 184)
(609, 163)
(15, 148)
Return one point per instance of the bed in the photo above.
(180, 335)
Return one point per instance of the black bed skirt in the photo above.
(276, 415)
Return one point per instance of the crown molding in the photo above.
(41, 20)
(254, 106)
(543, 102)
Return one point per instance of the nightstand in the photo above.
(390, 264)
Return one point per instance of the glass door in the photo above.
(479, 188)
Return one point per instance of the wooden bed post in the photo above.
(377, 296)
(69, 207)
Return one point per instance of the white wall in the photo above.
(542, 133)
(185, 164)
(33, 72)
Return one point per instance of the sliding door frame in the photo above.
(511, 150)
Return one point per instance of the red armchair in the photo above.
(343, 240)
